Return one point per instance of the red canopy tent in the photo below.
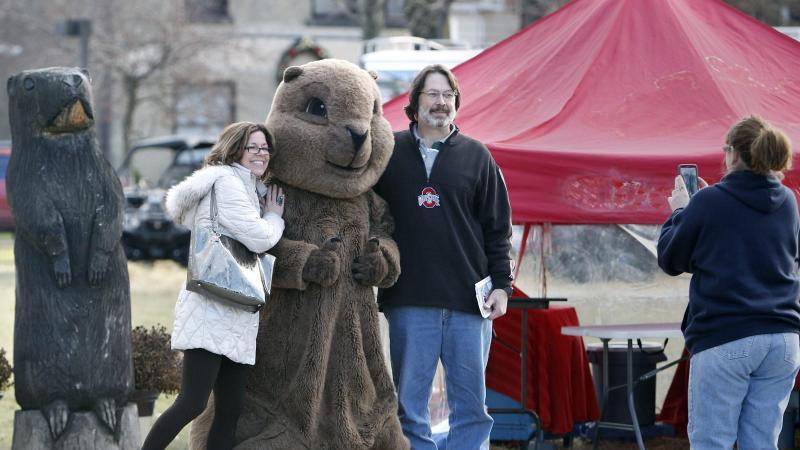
(589, 110)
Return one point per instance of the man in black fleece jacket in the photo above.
(453, 228)
(739, 240)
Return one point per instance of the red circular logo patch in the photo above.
(428, 198)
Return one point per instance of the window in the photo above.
(204, 108)
(348, 12)
(335, 12)
(395, 16)
(207, 10)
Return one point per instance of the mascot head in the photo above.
(330, 134)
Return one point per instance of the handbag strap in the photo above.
(213, 210)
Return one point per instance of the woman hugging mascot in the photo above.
(320, 380)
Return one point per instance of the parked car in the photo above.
(151, 167)
(398, 59)
(6, 218)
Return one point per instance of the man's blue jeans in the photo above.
(739, 390)
(418, 338)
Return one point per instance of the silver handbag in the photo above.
(223, 269)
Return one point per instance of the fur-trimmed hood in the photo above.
(183, 198)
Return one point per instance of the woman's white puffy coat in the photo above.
(204, 323)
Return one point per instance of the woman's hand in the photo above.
(274, 200)
(680, 195)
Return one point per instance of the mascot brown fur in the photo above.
(320, 379)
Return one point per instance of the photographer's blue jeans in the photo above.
(419, 337)
(739, 390)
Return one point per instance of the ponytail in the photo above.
(763, 148)
(770, 151)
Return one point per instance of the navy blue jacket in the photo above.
(452, 228)
(739, 240)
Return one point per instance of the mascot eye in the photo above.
(316, 107)
(28, 84)
(375, 108)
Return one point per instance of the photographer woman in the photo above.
(739, 240)
(218, 340)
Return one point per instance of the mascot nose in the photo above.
(358, 139)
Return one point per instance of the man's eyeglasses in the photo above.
(446, 95)
(256, 150)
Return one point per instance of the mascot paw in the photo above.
(57, 415)
(61, 270)
(371, 267)
(322, 266)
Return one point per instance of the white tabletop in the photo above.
(628, 331)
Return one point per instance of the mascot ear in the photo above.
(373, 74)
(85, 72)
(291, 73)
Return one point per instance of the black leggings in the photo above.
(202, 372)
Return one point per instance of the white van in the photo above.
(398, 59)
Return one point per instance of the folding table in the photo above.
(630, 333)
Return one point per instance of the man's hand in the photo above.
(497, 303)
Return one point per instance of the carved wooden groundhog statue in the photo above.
(72, 342)
(320, 379)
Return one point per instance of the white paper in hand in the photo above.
(482, 290)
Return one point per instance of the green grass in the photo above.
(154, 288)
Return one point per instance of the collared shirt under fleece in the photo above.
(429, 154)
(454, 236)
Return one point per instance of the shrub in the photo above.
(155, 365)
(5, 371)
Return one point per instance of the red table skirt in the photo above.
(676, 404)
(560, 387)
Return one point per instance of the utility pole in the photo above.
(81, 28)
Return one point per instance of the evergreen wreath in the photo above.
(302, 45)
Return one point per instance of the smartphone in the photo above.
(689, 174)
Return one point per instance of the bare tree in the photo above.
(372, 18)
(533, 10)
(137, 47)
(145, 45)
(427, 18)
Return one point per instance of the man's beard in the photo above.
(435, 122)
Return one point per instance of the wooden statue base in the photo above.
(83, 432)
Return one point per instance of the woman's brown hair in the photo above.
(230, 145)
(419, 83)
(761, 146)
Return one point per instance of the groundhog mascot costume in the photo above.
(320, 379)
